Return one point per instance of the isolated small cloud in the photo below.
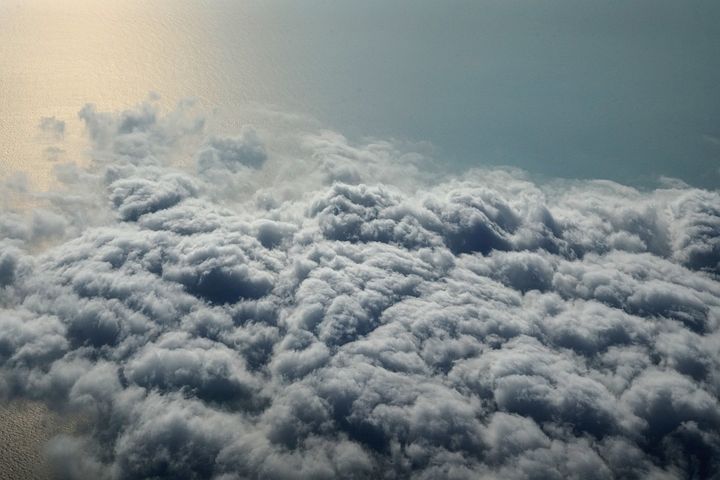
(52, 128)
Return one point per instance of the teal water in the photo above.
(623, 90)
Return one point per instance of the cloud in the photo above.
(232, 153)
(329, 310)
(134, 197)
(52, 128)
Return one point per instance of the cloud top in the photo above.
(334, 312)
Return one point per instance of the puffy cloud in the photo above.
(139, 133)
(134, 197)
(9, 258)
(697, 230)
(232, 153)
(52, 127)
(334, 312)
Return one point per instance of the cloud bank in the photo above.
(219, 307)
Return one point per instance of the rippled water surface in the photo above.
(621, 90)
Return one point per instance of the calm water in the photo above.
(613, 89)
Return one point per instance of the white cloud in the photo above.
(335, 312)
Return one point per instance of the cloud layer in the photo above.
(236, 310)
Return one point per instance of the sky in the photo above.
(402, 240)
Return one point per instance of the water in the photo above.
(620, 90)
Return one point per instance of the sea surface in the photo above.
(628, 91)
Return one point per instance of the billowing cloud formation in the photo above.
(335, 313)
